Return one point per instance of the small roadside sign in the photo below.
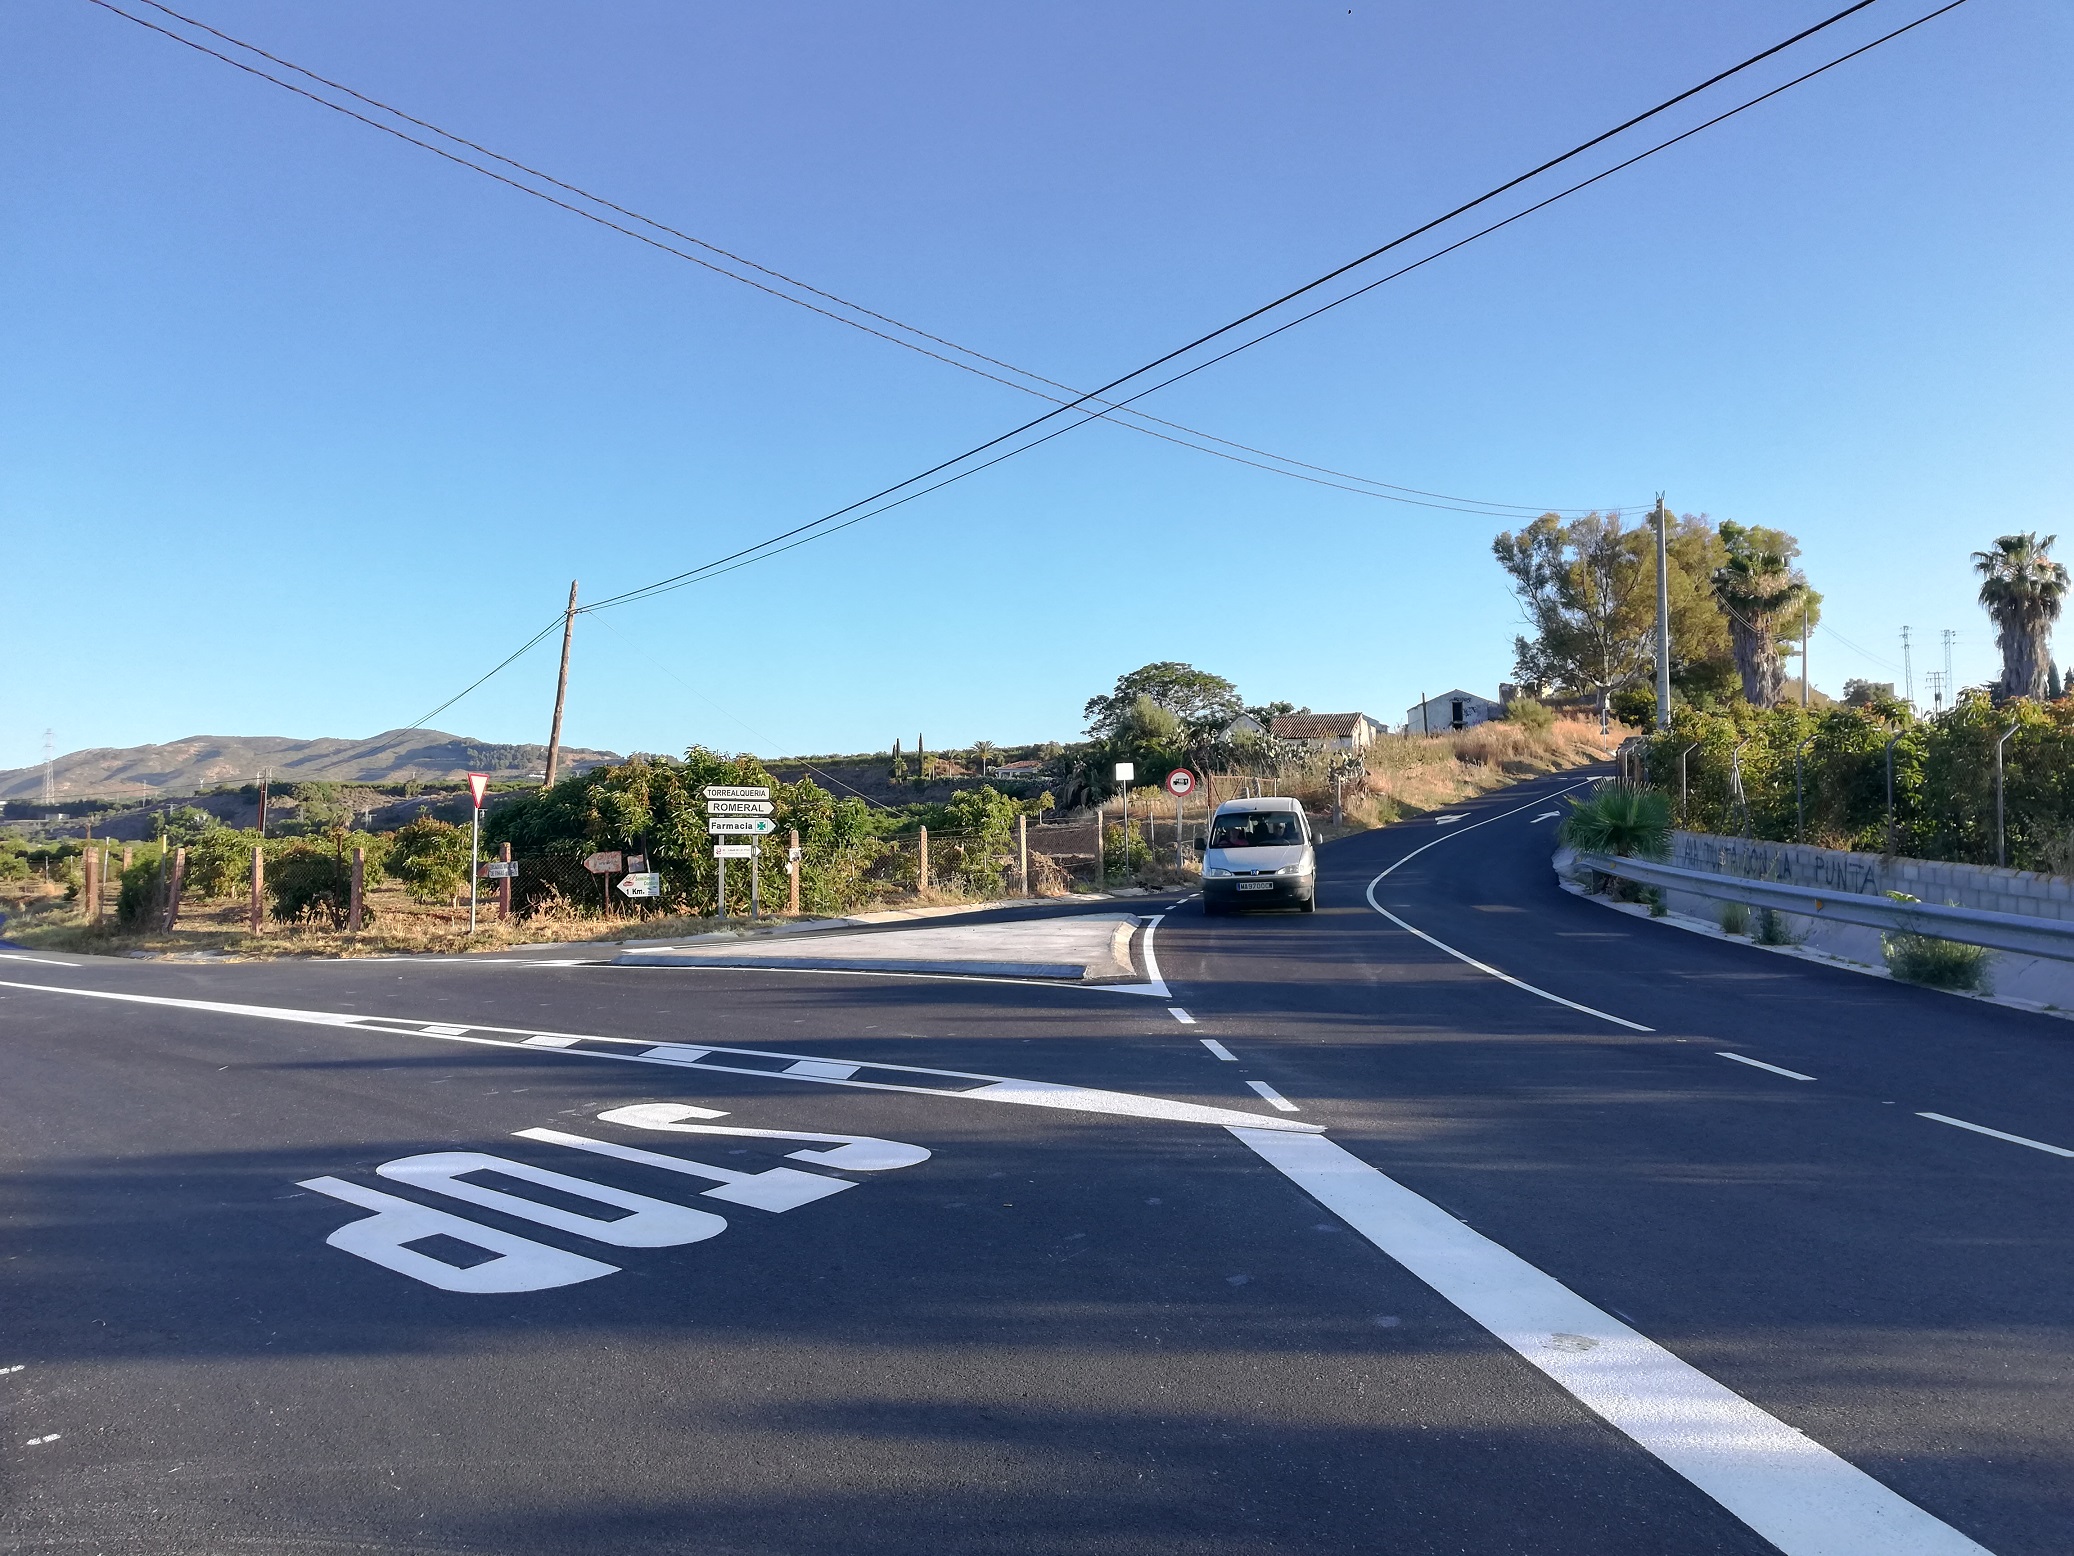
(795, 854)
(735, 791)
(734, 850)
(602, 864)
(1180, 782)
(637, 864)
(478, 786)
(500, 870)
(738, 807)
(1126, 771)
(642, 884)
(755, 826)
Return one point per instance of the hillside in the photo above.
(205, 761)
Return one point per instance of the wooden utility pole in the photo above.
(925, 859)
(258, 890)
(504, 885)
(1804, 634)
(554, 732)
(355, 903)
(1022, 852)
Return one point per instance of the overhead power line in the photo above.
(1138, 421)
(819, 528)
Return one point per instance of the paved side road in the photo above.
(472, 1258)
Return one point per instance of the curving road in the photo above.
(511, 1257)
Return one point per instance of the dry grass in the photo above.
(1410, 775)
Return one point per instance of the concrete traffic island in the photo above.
(1083, 948)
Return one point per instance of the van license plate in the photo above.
(1256, 886)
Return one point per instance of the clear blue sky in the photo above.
(334, 424)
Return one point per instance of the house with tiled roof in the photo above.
(1327, 731)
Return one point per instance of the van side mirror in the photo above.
(1199, 845)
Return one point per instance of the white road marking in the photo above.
(38, 1442)
(1448, 821)
(652, 1223)
(444, 1031)
(519, 1263)
(977, 1087)
(1759, 1064)
(822, 1070)
(17, 1367)
(1218, 1049)
(851, 1153)
(1546, 815)
(1788, 1488)
(776, 1189)
(1463, 956)
(1181, 1015)
(540, 1041)
(1982, 1129)
(16, 956)
(1275, 1099)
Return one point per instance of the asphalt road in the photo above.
(1551, 1280)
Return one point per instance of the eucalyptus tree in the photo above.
(2022, 589)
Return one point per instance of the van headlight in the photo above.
(1211, 871)
(1292, 869)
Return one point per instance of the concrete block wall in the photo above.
(1957, 885)
(2042, 982)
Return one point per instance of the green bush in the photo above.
(219, 863)
(306, 883)
(431, 858)
(1620, 818)
(1536, 718)
(1772, 928)
(138, 898)
(1941, 964)
(1735, 918)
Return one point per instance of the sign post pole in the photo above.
(792, 869)
(1125, 772)
(720, 862)
(477, 784)
(1180, 783)
(755, 875)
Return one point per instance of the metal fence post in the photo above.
(1022, 853)
(1682, 790)
(359, 890)
(1800, 803)
(924, 878)
(2001, 837)
(1890, 795)
(1735, 781)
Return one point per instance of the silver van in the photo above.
(1259, 854)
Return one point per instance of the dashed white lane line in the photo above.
(1759, 1064)
(1463, 956)
(1788, 1488)
(1982, 1129)
(1181, 1015)
(38, 1442)
(1275, 1099)
(1219, 1049)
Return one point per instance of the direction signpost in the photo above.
(1125, 772)
(738, 810)
(641, 883)
(478, 786)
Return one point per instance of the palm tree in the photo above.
(2021, 589)
(1754, 588)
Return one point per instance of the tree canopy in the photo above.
(1202, 703)
(2022, 589)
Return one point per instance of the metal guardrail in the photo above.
(2016, 932)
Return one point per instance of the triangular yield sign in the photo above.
(478, 785)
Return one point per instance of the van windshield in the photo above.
(1257, 829)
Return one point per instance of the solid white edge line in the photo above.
(1219, 1050)
(1465, 957)
(1275, 1099)
(1154, 983)
(1791, 1490)
(1982, 1129)
(16, 956)
(1759, 1064)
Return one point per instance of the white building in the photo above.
(1450, 710)
(1328, 731)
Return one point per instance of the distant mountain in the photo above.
(205, 761)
